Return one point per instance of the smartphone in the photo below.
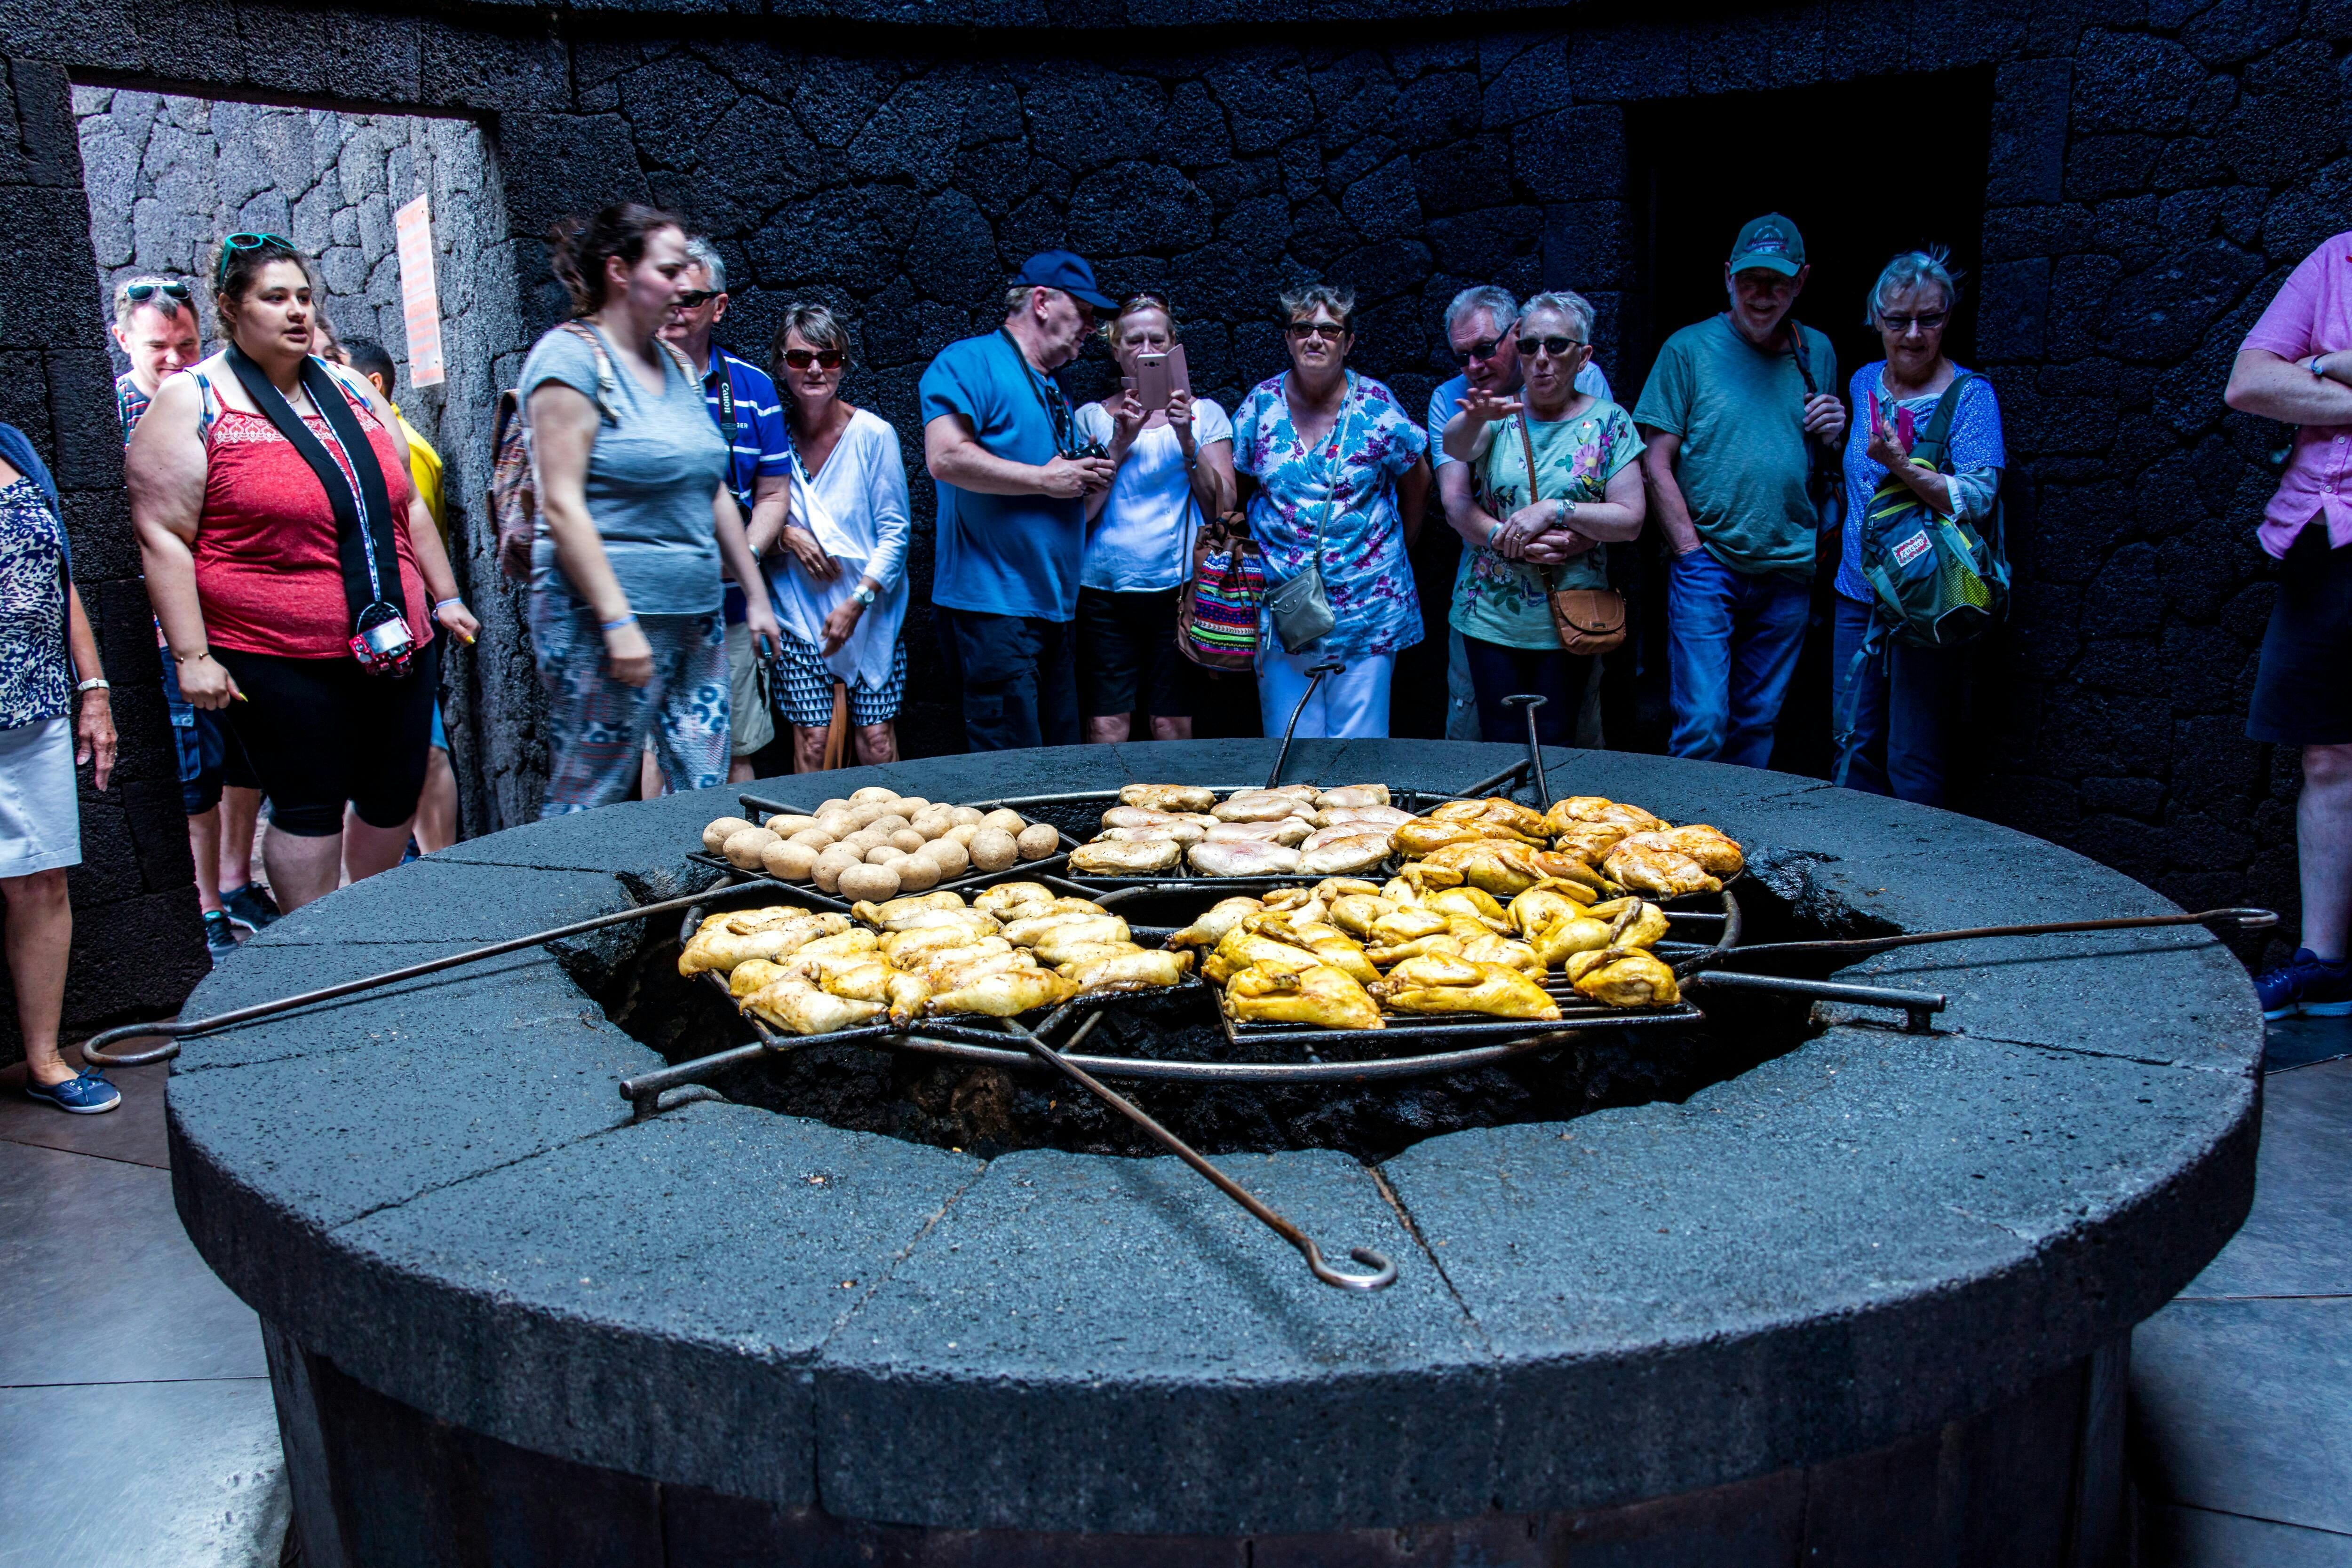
(1159, 375)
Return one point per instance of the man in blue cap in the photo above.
(1002, 444)
(1735, 413)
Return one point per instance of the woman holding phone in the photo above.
(1175, 458)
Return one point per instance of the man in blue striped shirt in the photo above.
(746, 408)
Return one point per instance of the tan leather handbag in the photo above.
(1586, 620)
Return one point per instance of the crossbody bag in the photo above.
(1587, 620)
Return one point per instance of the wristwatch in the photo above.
(864, 595)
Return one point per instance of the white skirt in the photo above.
(40, 814)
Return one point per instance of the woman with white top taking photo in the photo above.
(840, 581)
(1175, 469)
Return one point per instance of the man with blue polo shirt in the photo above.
(1478, 334)
(745, 407)
(1002, 443)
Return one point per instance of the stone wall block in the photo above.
(353, 54)
(1868, 35)
(1625, 64)
(1577, 154)
(2132, 82)
(2290, 124)
(98, 526)
(1383, 204)
(44, 125)
(2014, 307)
(2237, 30)
(1553, 72)
(559, 164)
(25, 396)
(1586, 245)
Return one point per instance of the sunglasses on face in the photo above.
(1302, 330)
(1901, 325)
(1484, 349)
(1555, 347)
(235, 243)
(823, 359)
(138, 293)
(694, 298)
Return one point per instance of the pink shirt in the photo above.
(2312, 315)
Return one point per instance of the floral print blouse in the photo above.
(1510, 601)
(35, 677)
(1353, 471)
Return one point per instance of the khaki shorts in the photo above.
(754, 726)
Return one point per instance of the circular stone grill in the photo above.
(1870, 1267)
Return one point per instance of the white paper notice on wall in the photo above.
(420, 300)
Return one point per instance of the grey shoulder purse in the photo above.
(1298, 606)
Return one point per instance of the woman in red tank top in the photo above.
(242, 543)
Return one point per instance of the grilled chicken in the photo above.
(986, 925)
(1068, 927)
(1328, 943)
(748, 920)
(1131, 857)
(1659, 872)
(1353, 795)
(1242, 948)
(1318, 995)
(909, 949)
(1260, 806)
(722, 947)
(1424, 837)
(1210, 927)
(1624, 978)
(1537, 907)
(1247, 858)
(1447, 943)
(1494, 811)
(1403, 926)
(1505, 869)
(962, 965)
(1182, 832)
(1716, 851)
(1005, 994)
(1058, 945)
(1435, 983)
(1168, 797)
(1027, 931)
(1006, 894)
(1141, 817)
(1640, 929)
(1476, 903)
(1343, 852)
(1504, 950)
(1291, 831)
(802, 1009)
(1598, 809)
(1354, 913)
(1304, 792)
(1379, 816)
(1561, 940)
(1589, 842)
(875, 981)
(751, 975)
(883, 914)
(1136, 970)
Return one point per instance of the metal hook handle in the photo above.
(1315, 673)
(1382, 1276)
(1532, 701)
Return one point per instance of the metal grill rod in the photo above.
(1531, 701)
(1315, 673)
(1862, 947)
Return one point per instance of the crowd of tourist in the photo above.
(723, 547)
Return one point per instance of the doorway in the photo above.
(1689, 199)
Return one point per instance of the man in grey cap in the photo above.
(1002, 443)
(1738, 410)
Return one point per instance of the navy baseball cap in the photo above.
(1063, 270)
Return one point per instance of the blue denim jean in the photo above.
(1732, 642)
(1903, 704)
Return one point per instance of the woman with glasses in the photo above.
(840, 582)
(1586, 491)
(297, 573)
(1175, 469)
(1900, 702)
(625, 595)
(1332, 457)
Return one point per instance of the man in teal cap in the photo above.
(1737, 412)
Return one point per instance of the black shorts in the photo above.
(323, 732)
(2303, 692)
(1128, 657)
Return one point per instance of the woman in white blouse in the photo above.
(840, 582)
(1175, 468)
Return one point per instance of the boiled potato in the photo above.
(1037, 841)
(933, 821)
(917, 873)
(715, 837)
(947, 854)
(887, 823)
(864, 812)
(785, 825)
(869, 884)
(873, 792)
(1009, 821)
(836, 821)
(815, 838)
(911, 804)
(743, 846)
(994, 849)
(908, 839)
(883, 854)
(830, 865)
(835, 804)
(972, 815)
(962, 834)
(789, 859)
(864, 839)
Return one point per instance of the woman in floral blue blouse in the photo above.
(1321, 442)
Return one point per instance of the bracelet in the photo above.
(199, 653)
(1563, 513)
(2316, 373)
(444, 604)
(629, 620)
(96, 684)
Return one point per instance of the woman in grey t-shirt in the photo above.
(631, 476)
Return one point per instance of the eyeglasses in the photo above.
(1142, 301)
(138, 292)
(1555, 347)
(694, 298)
(1900, 325)
(1302, 330)
(235, 243)
(1484, 349)
(825, 359)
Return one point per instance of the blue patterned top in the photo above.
(35, 675)
(1354, 469)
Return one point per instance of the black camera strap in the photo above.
(1056, 407)
(363, 521)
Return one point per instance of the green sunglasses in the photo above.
(235, 243)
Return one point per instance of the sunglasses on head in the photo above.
(235, 243)
(1555, 347)
(139, 292)
(695, 298)
(823, 359)
(1302, 330)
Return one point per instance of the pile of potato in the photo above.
(879, 843)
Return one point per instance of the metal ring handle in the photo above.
(1382, 1276)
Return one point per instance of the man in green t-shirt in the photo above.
(1729, 419)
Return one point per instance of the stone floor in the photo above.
(135, 1410)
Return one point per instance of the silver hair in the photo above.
(1913, 269)
(1301, 303)
(705, 254)
(163, 304)
(1566, 302)
(1495, 301)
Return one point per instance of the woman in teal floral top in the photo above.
(1322, 442)
(1588, 492)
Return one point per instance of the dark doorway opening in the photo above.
(1699, 168)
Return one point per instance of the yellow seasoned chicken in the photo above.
(883, 914)
(1056, 946)
(1208, 928)
(1328, 943)
(1088, 952)
(1242, 948)
(1422, 836)
(962, 965)
(1505, 869)
(1316, 994)
(1460, 931)
(1598, 809)
(1589, 842)
(1632, 922)
(1355, 913)
(1714, 850)
(1556, 942)
(1005, 994)
(1337, 887)
(1624, 978)
(1474, 902)
(1129, 857)
(1168, 797)
(1438, 984)
(976, 920)
(1138, 970)
(1495, 813)
(1007, 896)
(802, 1009)
(722, 947)
(751, 975)
(1505, 951)
(1537, 907)
(1068, 927)
(908, 948)
(875, 981)
(1659, 872)
(1404, 925)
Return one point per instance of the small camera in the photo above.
(1089, 448)
(385, 645)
